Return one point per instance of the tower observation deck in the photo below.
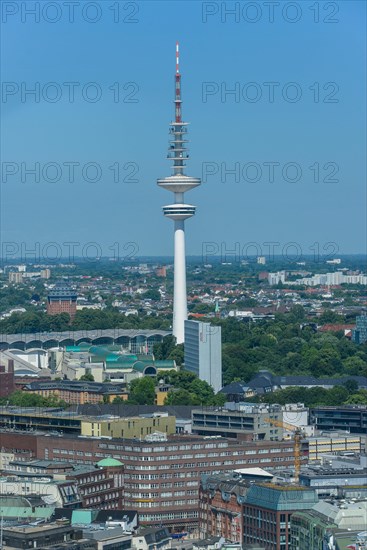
(179, 183)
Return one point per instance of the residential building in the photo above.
(237, 392)
(276, 278)
(15, 277)
(203, 352)
(45, 273)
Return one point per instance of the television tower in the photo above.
(178, 183)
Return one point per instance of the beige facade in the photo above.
(128, 428)
(5, 459)
(334, 444)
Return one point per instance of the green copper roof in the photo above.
(78, 349)
(83, 517)
(278, 497)
(124, 359)
(106, 462)
(164, 364)
(26, 512)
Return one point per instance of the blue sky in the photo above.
(225, 131)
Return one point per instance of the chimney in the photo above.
(10, 365)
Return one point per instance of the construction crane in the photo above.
(297, 436)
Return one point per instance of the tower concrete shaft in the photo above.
(178, 183)
(179, 292)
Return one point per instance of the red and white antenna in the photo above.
(177, 86)
(177, 58)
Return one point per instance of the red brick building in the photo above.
(220, 507)
(161, 478)
(7, 384)
(250, 514)
(62, 299)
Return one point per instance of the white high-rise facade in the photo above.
(203, 352)
(178, 183)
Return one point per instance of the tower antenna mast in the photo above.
(178, 183)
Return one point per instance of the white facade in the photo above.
(203, 352)
(5, 459)
(50, 491)
(332, 278)
(276, 278)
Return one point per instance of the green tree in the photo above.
(351, 385)
(152, 294)
(87, 377)
(177, 354)
(355, 366)
(181, 397)
(358, 398)
(118, 401)
(142, 391)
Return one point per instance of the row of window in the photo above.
(168, 516)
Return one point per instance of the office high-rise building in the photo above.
(359, 334)
(178, 183)
(203, 352)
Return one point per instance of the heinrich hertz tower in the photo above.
(179, 211)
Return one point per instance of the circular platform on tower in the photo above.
(179, 183)
(179, 211)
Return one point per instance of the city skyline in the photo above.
(230, 132)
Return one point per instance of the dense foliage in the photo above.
(26, 399)
(283, 347)
(339, 395)
(34, 321)
(188, 389)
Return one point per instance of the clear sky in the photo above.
(311, 51)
